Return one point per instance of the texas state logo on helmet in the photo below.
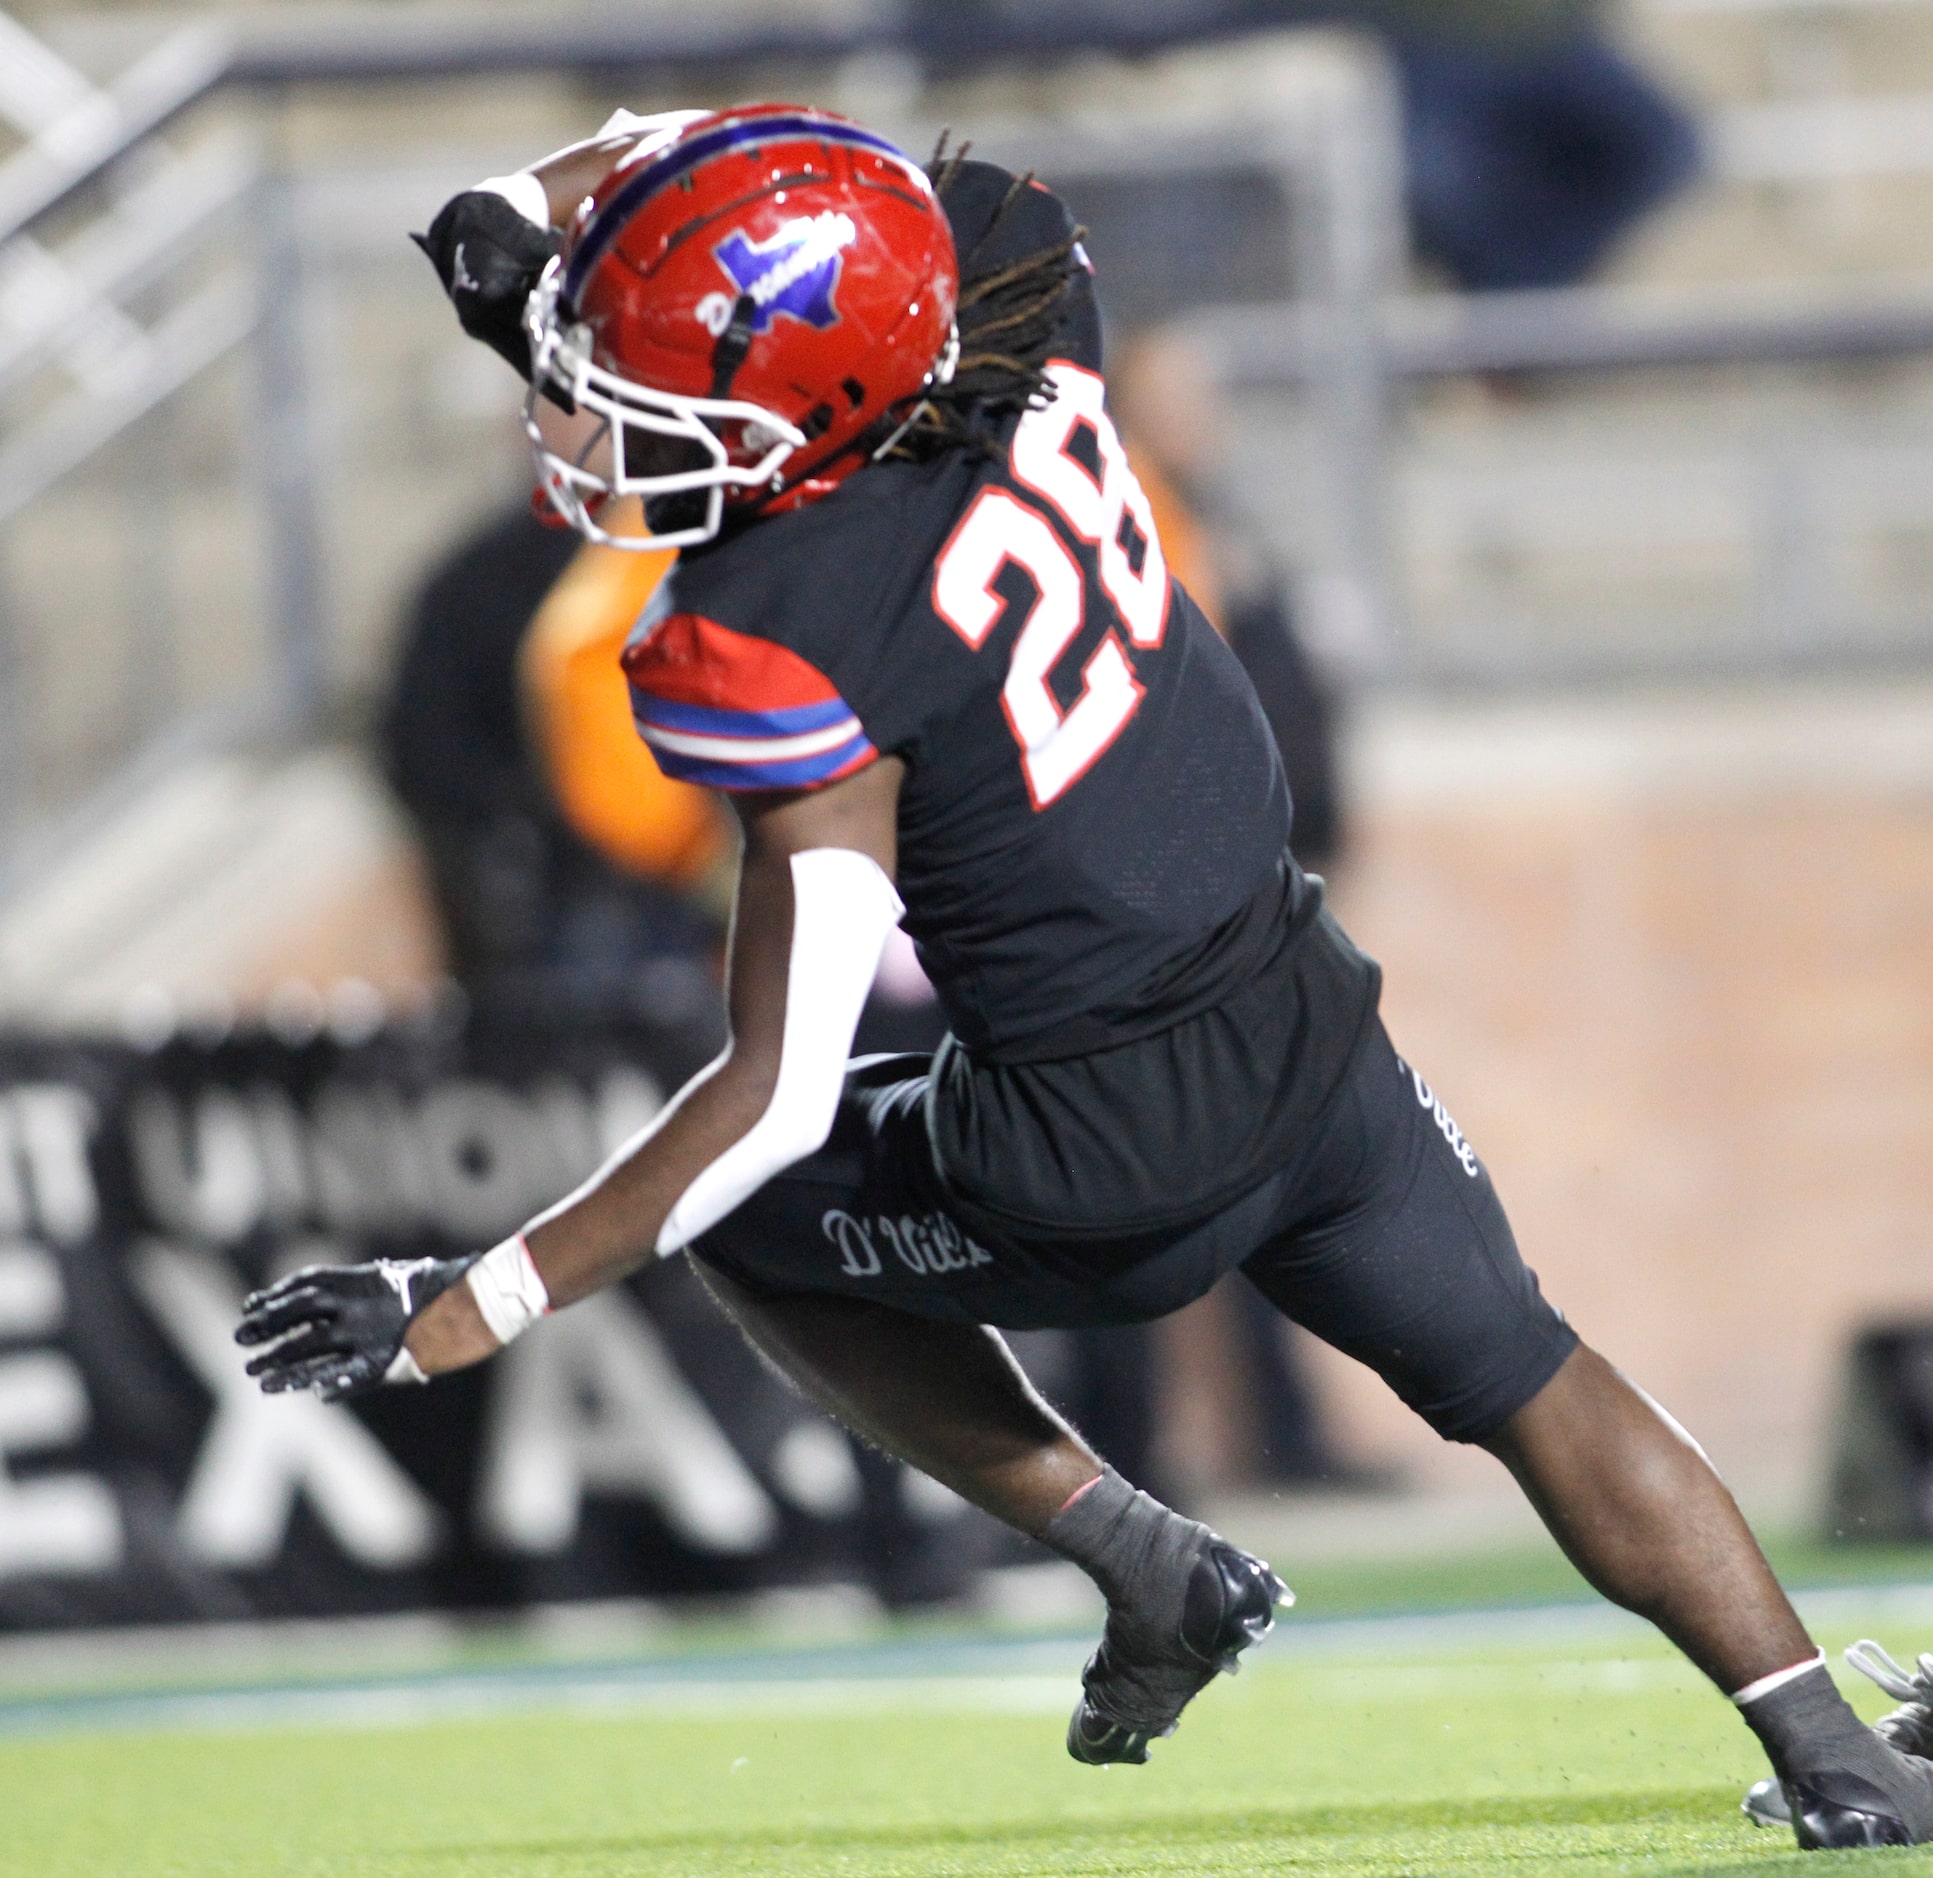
(747, 303)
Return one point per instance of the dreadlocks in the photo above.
(1009, 314)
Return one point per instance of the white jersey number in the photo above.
(1111, 512)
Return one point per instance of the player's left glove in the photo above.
(338, 1329)
(489, 255)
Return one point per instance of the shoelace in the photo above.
(1901, 1684)
(1910, 1726)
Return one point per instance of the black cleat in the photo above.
(1136, 1685)
(1820, 1822)
(1865, 1817)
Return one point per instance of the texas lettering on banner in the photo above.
(144, 1477)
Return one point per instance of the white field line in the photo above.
(408, 1704)
(1354, 1660)
(400, 1705)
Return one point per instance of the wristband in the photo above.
(526, 193)
(523, 192)
(509, 1294)
(404, 1368)
(658, 127)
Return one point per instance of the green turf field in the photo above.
(1543, 1743)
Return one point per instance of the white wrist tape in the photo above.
(509, 1294)
(524, 193)
(659, 126)
(531, 200)
(1778, 1679)
(843, 906)
(404, 1368)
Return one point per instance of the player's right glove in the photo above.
(338, 1329)
(489, 255)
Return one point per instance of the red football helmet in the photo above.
(741, 302)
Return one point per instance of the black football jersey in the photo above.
(1090, 787)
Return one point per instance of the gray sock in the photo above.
(1138, 1551)
(1812, 1735)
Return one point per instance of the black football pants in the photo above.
(1383, 1236)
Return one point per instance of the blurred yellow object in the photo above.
(1183, 544)
(604, 779)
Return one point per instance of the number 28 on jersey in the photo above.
(1091, 528)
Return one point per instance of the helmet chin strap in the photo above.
(733, 344)
(942, 374)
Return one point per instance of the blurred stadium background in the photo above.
(1624, 587)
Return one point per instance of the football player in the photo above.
(922, 630)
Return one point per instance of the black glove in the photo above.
(488, 258)
(340, 1327)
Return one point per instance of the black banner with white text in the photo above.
(630, 1446)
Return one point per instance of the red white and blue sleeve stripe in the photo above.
(736, 712)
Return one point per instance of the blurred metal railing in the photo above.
(1585, 329)
(1782, 476)
(83, 129)
(67, 313)
(163, 266)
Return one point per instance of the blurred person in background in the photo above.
(593, 768)
(563, 864)
(1532, 143)
(1175, 425)
(451, 739)
(1175, 422)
